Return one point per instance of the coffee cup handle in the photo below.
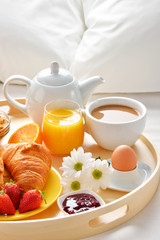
(84, 117)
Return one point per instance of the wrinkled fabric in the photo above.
(116, 39)
(34, 33)
(121, 44)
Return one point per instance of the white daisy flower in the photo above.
(73, 184)
(79, 161)
(99, 174)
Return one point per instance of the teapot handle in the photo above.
(22, 107)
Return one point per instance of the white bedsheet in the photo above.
(145, 225)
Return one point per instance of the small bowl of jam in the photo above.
(4, 124)
(79, 201)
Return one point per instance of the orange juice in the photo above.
(63, 130)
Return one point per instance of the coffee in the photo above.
(115, 113)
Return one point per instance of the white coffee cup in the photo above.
(110, 135)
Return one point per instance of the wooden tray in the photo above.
(120, 206)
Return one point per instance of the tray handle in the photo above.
(110, 216)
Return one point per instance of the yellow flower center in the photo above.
(75, 185)
(97, 174)
(78, 166)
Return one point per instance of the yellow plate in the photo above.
(52, 190)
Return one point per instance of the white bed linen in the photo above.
(145, 225)
(121, 44)
(116, 39)
(34, 33)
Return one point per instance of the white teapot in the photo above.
(49, 84)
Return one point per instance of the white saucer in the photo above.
(127, 181)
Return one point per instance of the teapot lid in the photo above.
(54, 76)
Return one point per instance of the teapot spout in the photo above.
(87, 87)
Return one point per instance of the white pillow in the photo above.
(34, 33)
(122, 44)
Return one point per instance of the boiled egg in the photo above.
(124, 158)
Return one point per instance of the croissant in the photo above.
(29, 164)
(1, 172)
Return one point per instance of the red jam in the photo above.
(79, 202)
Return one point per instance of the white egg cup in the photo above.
(129, 180)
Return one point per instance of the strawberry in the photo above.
(6, 205)
(32, 199)
(13, 191)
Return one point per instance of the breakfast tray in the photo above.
(120, 206)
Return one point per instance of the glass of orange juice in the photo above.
(62, 126)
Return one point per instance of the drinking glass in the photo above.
(62, 126)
